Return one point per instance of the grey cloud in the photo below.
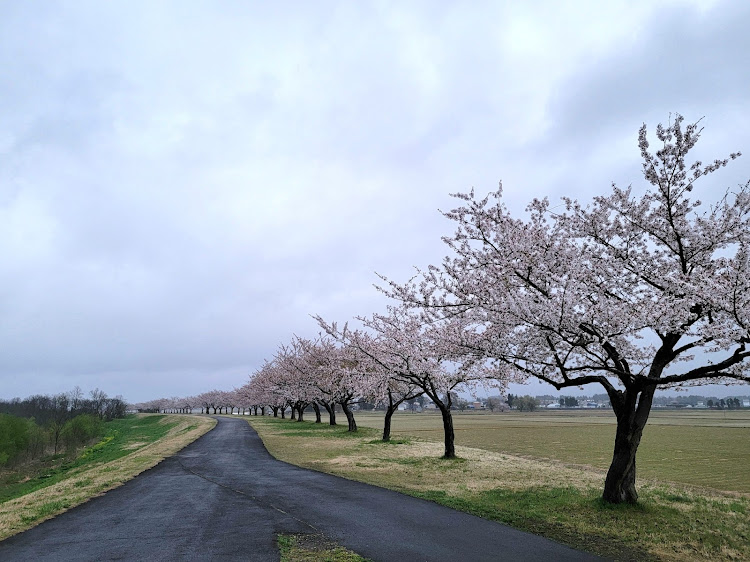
(682, 60)
(183, 184)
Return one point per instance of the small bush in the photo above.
(80, 430)
(14, 437)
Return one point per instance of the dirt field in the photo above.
(702, 448)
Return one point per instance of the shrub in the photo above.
(14, 437)
(80, 430)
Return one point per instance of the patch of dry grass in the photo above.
(82, 484)
(314, 548)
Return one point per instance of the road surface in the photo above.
(226, 496)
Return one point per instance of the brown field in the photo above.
(701, 448)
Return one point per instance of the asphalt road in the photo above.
(226, 496)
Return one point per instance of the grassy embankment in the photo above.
(32, 494)
(521, 482)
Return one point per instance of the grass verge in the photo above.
(129, 447)
(549, 498)
(314, 548)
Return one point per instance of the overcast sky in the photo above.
(183, 183)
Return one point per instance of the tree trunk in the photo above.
(263, 411)
(283, 412)
(275, 411)
(632, 414)
(300, 412)
(331, 409)
(317, 412)
(387, 423)
(293, 415)
(450, 450)
(349, 416)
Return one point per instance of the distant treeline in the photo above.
(39, 425)
(47, 408)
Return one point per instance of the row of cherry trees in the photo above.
(635, 291)
(391, 358)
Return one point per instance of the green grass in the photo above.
(700, 448)
(581, 518)
(121, 437)
(314, 548)
(44, 510)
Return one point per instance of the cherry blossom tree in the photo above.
(427, 356)
(379, 385)
(267, 390)
(308, 361)
(209, 400)
(338, 372)
(296, 376)
(634, 292)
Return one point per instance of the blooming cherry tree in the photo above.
(632, 292)
(296, 375)
(417, 355)
(378, 385)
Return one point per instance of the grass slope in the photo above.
(547, 497)
(129, 447)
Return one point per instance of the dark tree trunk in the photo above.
(387, 423)
(331, 409)
(632, 413)
(301, 412)
(349, 416)
(450, 450)
(263, 411)
(275, 411)
(317, 412)
(293, 414)
(283, 412)
(389, 411)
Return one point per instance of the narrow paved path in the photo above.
(225, 496)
